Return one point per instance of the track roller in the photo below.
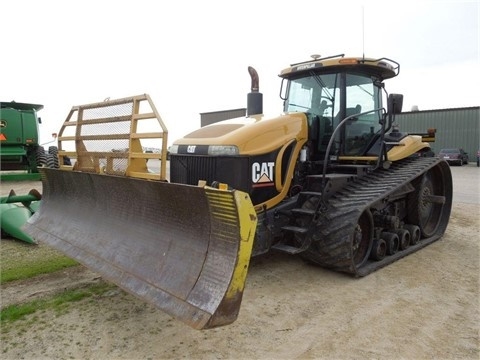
(414, 231)
(403, 238)
(379, 249)
(392, 241)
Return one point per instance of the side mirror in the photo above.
(395, 103)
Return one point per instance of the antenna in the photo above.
(363, 32)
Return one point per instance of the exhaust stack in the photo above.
(254, 98)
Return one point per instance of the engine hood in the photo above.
(251, 135)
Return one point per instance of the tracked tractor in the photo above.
(332, 180)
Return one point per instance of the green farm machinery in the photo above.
(13, 215)
(20, 151)
(21, 157)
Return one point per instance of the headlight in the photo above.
(173, 149)
(222, 150)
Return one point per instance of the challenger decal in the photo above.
(262, 174)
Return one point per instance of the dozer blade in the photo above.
(185, 249)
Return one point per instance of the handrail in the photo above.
(332, 137)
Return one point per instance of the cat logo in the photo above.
(262, 174)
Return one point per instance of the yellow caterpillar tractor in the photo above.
(331, 179)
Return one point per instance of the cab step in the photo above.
(292, 250)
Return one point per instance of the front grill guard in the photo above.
(115, 137)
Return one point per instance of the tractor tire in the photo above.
(52, 161)
(53, 150)
(41, 157)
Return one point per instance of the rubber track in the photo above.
(337, 223)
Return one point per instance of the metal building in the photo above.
(458, 127)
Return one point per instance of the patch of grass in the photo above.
(40, 267)
(58, 302)
(21, 260)
(15, 312)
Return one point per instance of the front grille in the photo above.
(189, 169)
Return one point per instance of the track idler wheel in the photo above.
(403, 238)
(379, 249)
(414, 231)
(362, 239)
(392, 241)
(429, 205)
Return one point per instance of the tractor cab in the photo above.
(333, 89)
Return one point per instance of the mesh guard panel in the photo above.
(116, 137)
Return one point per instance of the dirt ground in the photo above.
(425, 306)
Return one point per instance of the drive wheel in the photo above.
(426, 203)
(362, 239)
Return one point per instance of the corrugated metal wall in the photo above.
(455, 127)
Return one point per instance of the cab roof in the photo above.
(20, 106)
(383, 68)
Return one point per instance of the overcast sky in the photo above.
(192, 56)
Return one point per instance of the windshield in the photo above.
(450, 151)
(335, 96)
(314, 94)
